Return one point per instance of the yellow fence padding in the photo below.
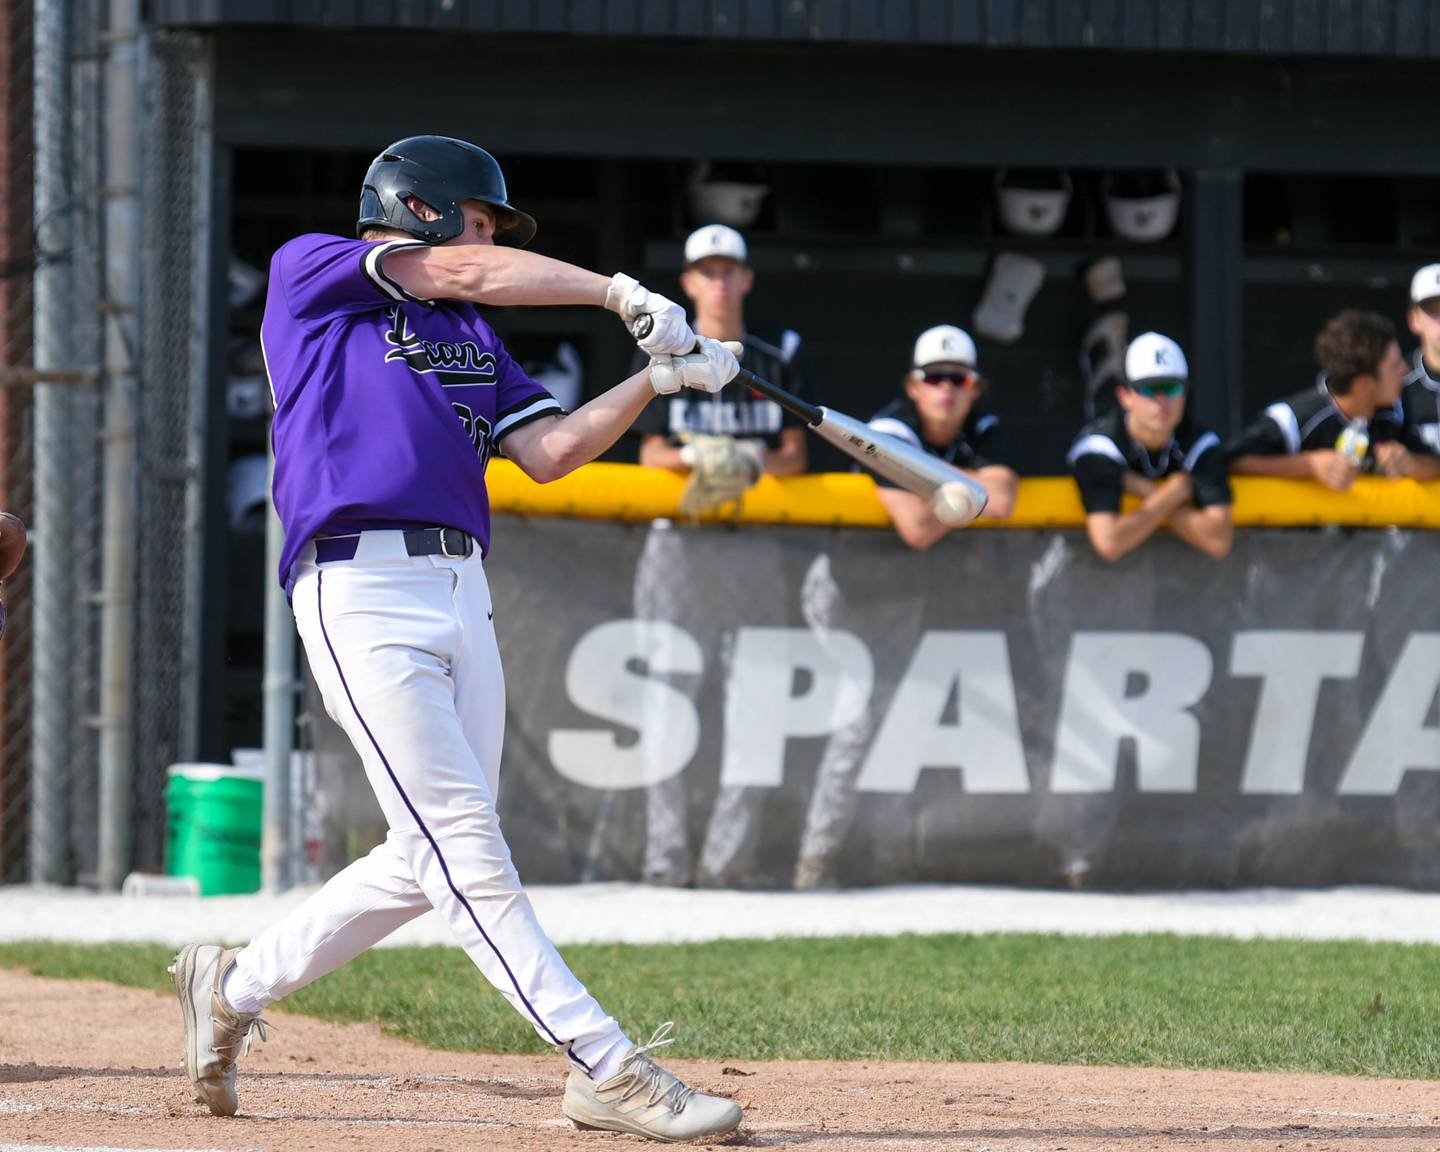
(630, 492)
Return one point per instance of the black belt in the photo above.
(449, 542)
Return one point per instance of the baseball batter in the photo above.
(391, 395)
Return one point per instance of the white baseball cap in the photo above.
(945, 344)
(715, 240)
(1425, 285)
(1152, 356)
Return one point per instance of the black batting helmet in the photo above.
(442, 172)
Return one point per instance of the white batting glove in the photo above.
(707, 369)
(668, 332)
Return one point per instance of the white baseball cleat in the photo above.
(214, 1032)
(645, 1100)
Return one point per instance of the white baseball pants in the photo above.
(403, 649)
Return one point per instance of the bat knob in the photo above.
(642, 326)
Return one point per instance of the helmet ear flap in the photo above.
(403, 217)
(377, 210)
(370, 209)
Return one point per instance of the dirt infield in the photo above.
(86, 1065)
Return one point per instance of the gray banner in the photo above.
(778, 706)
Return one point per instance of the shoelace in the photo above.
(252, 1025)
(645, 1074)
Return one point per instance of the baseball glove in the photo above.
(721, 470)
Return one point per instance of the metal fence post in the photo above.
(122, 365)
(54, 559)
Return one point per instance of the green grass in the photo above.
(1159, 1001)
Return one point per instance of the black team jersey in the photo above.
(1310, 420)
(1420, 407)
(1104, 451)
(977, 445)
(733, 411)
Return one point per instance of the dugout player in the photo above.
(391, 394)
(943, 411)
(677, 431)
(1348, 423)
(723, 443)
(1145, 447)
(1420, 400)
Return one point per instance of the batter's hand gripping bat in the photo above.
(954, 498)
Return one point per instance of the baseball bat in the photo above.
(953, 496)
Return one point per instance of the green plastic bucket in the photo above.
(214, 816)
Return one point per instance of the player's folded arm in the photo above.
(1210, 529)
(1270, 446)
(1001, 483)
(656, 451)
(1424, 465)
(792, 457)
(1100, 474)
(914, 522)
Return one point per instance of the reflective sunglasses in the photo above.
(1171, 388)
(958, 379)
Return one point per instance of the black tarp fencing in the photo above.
(745, 705)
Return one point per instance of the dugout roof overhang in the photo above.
(1383, 28)
(862, 103)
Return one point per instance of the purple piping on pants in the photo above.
(564, 1045)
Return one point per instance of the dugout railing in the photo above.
(631, 492)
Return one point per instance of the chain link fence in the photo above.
(175, 318)
(50, 451)
(16, 425)
(53, 310)
(49, 467)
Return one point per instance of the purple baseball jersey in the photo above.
(387, 407)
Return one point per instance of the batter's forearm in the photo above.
(560, 446)
(484, 274)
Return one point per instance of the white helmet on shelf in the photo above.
(1032, 202)
(1143, 205)
(733, 202)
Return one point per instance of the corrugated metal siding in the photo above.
(1271, 27)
